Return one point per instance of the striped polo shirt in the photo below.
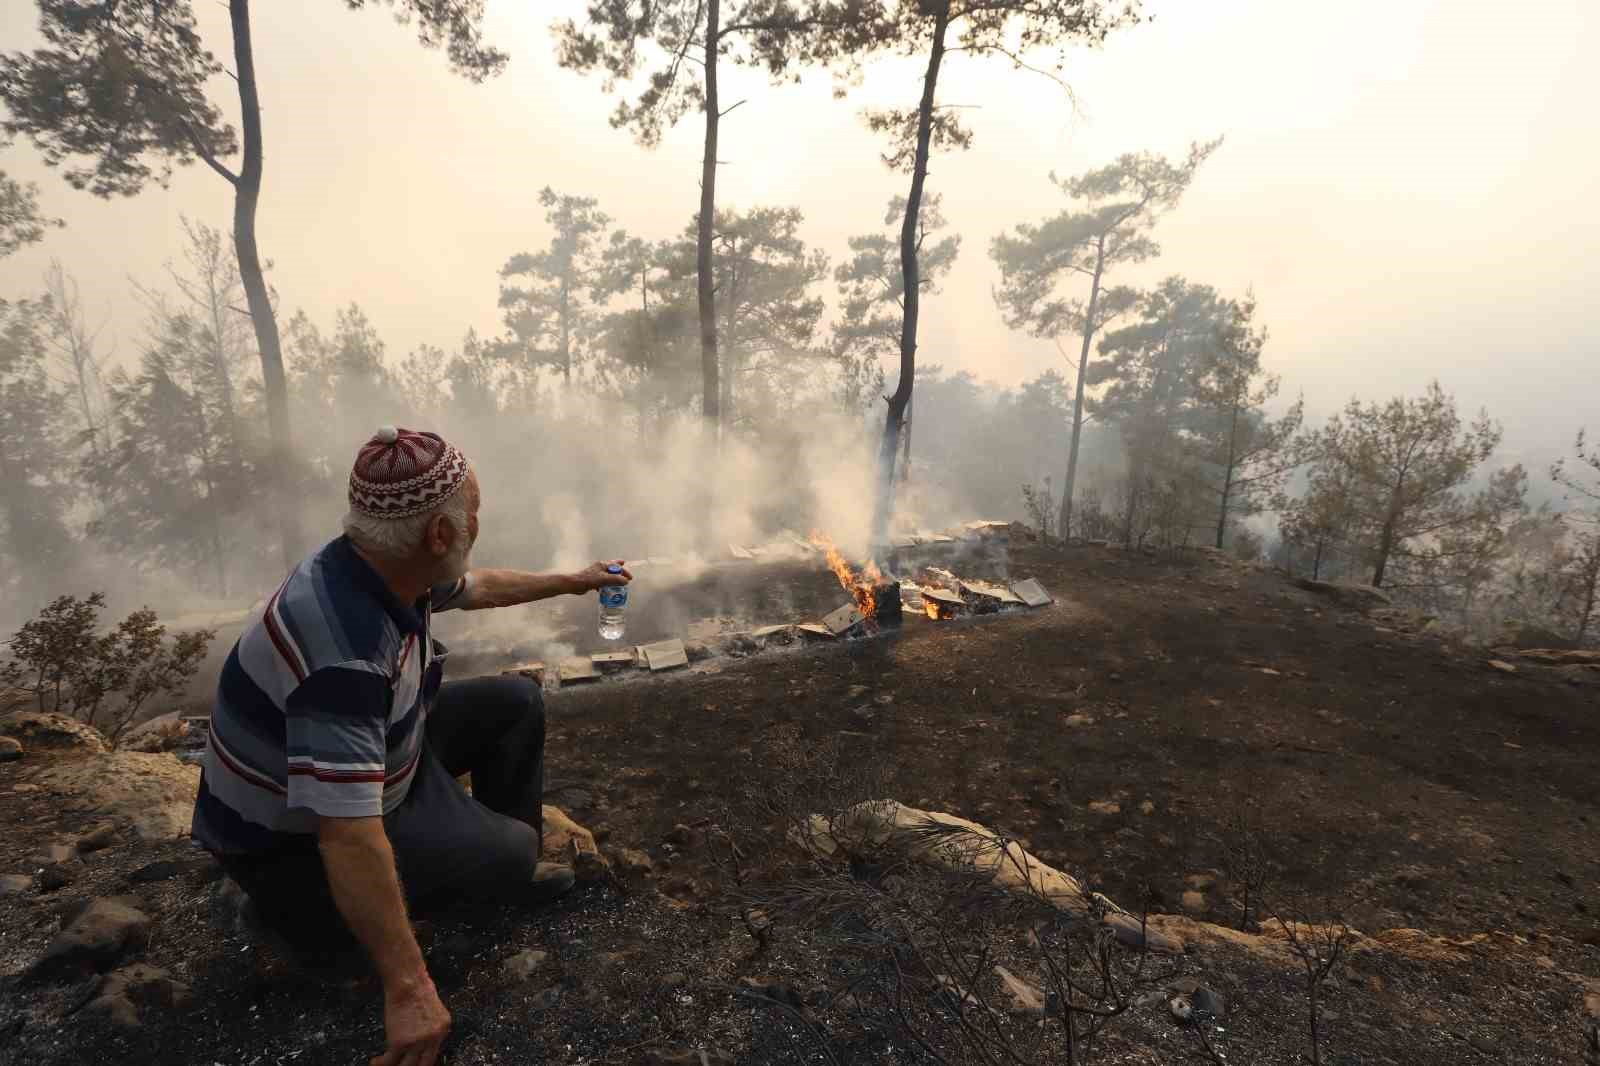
(320, 706)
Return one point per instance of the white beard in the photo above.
(455, 565)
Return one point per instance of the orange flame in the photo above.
(860, 585)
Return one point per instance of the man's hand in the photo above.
(361, 875)
(595, 575)
(415, 1023)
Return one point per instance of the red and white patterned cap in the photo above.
(403, 472)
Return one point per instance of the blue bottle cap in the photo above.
(613, 569)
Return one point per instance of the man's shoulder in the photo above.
(322, 616)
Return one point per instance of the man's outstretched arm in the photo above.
(366, 887)
(507, 588)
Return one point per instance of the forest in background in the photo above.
(666, 393)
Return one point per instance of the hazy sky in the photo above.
(1409, 186)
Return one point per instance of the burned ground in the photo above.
(1395, 779)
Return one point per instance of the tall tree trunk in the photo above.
(224, 376)
(710, 408)
(1090, 325)
(1316, 1043)
(1228, 472)
(1386, 537)
(207, 458)
(911, 286)
(905, 442)
(85, 407)
(1385, 546)
(566, 329)
(247, 192)
(1591, 588)
(68, 317)
(1222, 512)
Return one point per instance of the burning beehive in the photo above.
(876, 595)
(941, 604)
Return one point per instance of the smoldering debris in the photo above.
(817, 594)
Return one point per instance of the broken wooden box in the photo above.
(941, 603)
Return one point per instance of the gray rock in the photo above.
(38, 729)
(570, 797)
(1025, 998)
(683, 836)
(157, 871)
(10, 749)
(127, 993)
(56, 875)
(97, 839)
(94, 940)
(1361, 597)
(51, 854)
(1525, 635)
(231, 907)
(524, 964)
(776, 991)
(14, 884)
(634, 866)
(1209, 1003)
(1127, 930)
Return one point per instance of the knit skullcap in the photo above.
(403, 472)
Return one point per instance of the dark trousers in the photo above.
(447, 845)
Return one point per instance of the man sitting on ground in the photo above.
(329, 777)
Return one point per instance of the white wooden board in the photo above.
(612, 660)
(839, 621)
(577, 670)
(1032, 593)
(665, 654)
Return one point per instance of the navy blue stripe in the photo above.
(404, 727)
(337, 631)
(341, 694)
(249, 717)
(219, 828)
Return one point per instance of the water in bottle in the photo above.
(613, 601)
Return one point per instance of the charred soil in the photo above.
(1393, 779)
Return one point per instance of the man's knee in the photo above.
(515, 852)
(527, 698)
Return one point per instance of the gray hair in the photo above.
(399, 538)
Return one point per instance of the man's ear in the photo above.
(438, 536)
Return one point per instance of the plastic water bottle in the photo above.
(613, 601)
